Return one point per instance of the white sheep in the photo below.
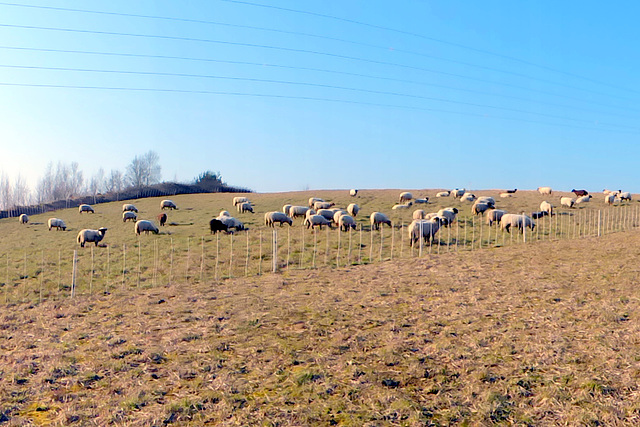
(425, 229)
(486, 199)
(238, 200)
(625, 195)
(231, 222)
(458, 192)
(546, 207)
(313, 200)
(309, 212)
(146, 226)
(224, 213)
(296, 211)
(610, 198)
(449, 215)
(353, 209)
(353, 192)
(270, 218)
(418, 214)
(422, 200)
(337, 214)
(168, 204)
(567, 201)
(516, 220)
(405, 197)
(544, 190)
(129, 207)
(23, 219)
(403, 206)
(285, 209)
(129, 216)
(322, 205)
(327, 213)
(443, 194)
(317, 221)
(245, 207)
(479, 207)
(57, 223)
(494, 215)
(378, 218)
(87, 236)
(583, 199)
(607, 192)
(468, 197)
(85, 208)
(346, 221)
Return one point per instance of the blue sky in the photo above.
(331, 94)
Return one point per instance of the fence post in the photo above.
(73, 273)
(246, 263)
(6, 282)
(106, 283)
(338, 252)
(139, 261)
(41, 277)
(186, 268)
(231, 255)
(201, 258)
(326, 253)
(91, 275)
(171, 263)
(275, 250)
(360, 247)
(124, 262)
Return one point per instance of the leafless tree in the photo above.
(144, 170)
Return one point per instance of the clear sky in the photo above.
(288, 95)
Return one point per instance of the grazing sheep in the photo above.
(353, 209)
(443, 194)
(538, 215)
(468, 197)
(422, 200)
(345, 222)
(162, 219)
(245, 207)
(404, 206)
(405, 197)
(88, 236)
(449, 215)
(231, 222)
(546, 207)
(610, 199)
(238, 200)
(216, 225)
(327, 213)
(580, 193)
(583, 199)
(418, 214)
(146, 226)
(353, 192)
(378, 218)
(168, 204)
(567, 201)
(425, 228)
(544, 190)
(270, 218)
(129, 207)
(313, 200)
(296, 211)
(224, 213)
(494, 215)
(479, 207)
(337, 214)
(516, 220)
(323, 205)
(23, 219)
(487, 199)
(316, 220)
(85, 208)
(458, 192)
(625, 196)
(57, 223)
(285, 209)
(129, 216)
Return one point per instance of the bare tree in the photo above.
(115, 182)
(21, 193)
(97, 183)
(6, 196)
(144, 170)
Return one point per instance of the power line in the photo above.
(314, 85)
(304, 98)
(295, 33)
(261, 64)
(285, 49)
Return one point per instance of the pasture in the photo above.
(486, 328)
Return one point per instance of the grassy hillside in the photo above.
(539, 334)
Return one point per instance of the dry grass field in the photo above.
(536, 333)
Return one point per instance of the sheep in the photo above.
(468, 197)
(309, 213)
(422, 200)
(353, 209)
(168, 204)
(580, 193)
(23, 219)
(270, 218)
(487, 199)
(57, 223)
(479, 208)
(583, 199)
(296, 211)
(378, 218)
(129, 207)
(546, 207)
(544, 190)
(505, 195)
(313, 200)
(625, 196)
(404, 206)
(494, 215)
(458, 192)
(129, 216)
(238, 200)
(87, 236)
(443, 194)
(327, 213)
(146, 226)
(607, 192)
(538, 215)
(567, 201)
(317, 220)
(323, 205)
(425, 228)
(353, 192)
(285, 209)
(231, 222)
(85, 208)
(418, 214)
(346, 221)
(610, 199)
(162, 219)
(516, 220)
(449, 215)
(224, 213)
(405, 197)
(245, 207)
(216, 225)
(337, 214)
